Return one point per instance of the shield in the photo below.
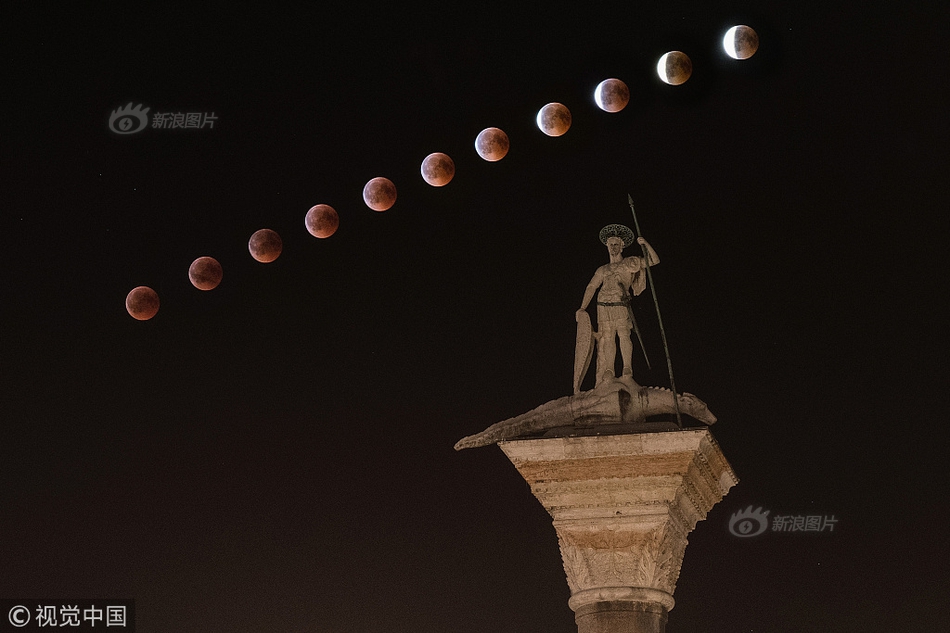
(583, 349)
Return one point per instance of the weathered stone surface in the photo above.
(622, 507)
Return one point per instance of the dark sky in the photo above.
(276, 454)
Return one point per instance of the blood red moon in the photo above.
(205, 273)
(322, 220)
(554, 119)
(265, 246)
(379, 194)
(492, 144)
(611, 95)
(142, 303)
(438, 169)
(674, 68)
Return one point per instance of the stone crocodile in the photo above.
(618, 401)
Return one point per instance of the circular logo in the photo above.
(749, 522)
(19, 616)
(128, 120)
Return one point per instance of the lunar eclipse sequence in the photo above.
(492, 144)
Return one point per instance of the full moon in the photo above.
(265, 246)
(674, 68)
(611, 95)
(740, 42)
(492, 144)
(438, 169)
(554, 119)
(142, 303)
(205, 273)
(322, 220)
(379, 194)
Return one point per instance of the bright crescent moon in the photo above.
(597, 94)
(661, 68)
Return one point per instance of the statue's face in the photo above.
(614, 245)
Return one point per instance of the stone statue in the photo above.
(614, 283)
(617, 401)
(615, 404)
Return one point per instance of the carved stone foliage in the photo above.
(622, 557)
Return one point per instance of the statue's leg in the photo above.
(607, 346)
(626, 351)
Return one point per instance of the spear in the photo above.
(669, 363)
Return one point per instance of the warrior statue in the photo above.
(617, 281)
(615, 404)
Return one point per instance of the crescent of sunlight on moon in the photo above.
(492, 144)
(554, 119)
(265, 246)
(611, 95)
(674, 68)
(379, 194)
(205, 273)
(438, 169)
(740, 42)
(322, 221)
(142, 303)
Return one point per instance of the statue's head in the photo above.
(616, 237)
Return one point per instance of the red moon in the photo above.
(554, 119)
(492, 144)
(674, 68)
(611, 95)
(142, 303)
(322, 220)
(379, 194)
(265, 246)
(205, 273)
(438, 169)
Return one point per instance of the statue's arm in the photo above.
(592, 287)
(652, 258)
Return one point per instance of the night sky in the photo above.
(276, 454)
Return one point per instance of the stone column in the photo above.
(622, 507)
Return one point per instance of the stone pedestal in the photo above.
(622, 507)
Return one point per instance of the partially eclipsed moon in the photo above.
(205, 273)
(740, 42)
(379, 194)
(492, 144)
(674, 68)
(142, 303)
(265, 246)
(438, 169)
(322, 220)
(554, 119)
(611, 95)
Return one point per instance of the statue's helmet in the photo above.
(617, 230)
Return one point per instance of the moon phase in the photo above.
(322, 220)
(379, 194)
(438, 169)
(265, 246)
(492, 144)
(205, 273)
(142, 303)
(554, 119)
(611, 95)
(674, 68)
(740, 42)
